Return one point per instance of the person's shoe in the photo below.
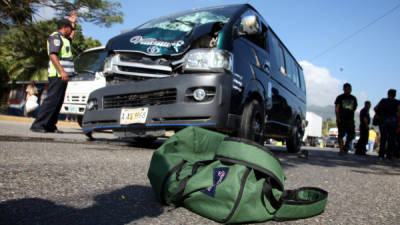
(38, 130)
(57, 131)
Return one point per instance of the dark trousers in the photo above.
(362, 142)
(346, 128)
(388, 135)
(49, 110)
(397, 151)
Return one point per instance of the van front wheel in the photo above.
(294, 141)
(252, 123)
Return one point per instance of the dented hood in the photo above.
(151, 41)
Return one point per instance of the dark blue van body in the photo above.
(221, 68)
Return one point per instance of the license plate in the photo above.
(130, 116)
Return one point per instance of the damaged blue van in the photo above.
(221, 68)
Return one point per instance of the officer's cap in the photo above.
(64, 23)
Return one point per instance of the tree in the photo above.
(21, 12)
(326, 125)
(23, 51)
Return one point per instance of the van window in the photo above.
(90, 61)
(291, 68)
(297, 77)
(277, 52)
(302, 82)
(259, 40)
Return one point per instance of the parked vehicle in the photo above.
(333, 131)
(332, 141)
(356, 138)
(313, 129)
(221, 68)
(89, 68)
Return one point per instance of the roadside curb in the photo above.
(30, 120)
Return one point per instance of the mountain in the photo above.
(326, 112)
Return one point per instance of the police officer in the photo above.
(60, 68)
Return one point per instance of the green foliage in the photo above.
(80, 43)
(326, 125)
(17, 12)
(99, 12)
(23, 52)
(20, 12)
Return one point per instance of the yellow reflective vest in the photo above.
(64, 56)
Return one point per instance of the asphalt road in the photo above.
(65, 179)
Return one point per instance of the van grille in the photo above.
(161, 97)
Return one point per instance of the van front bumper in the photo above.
(169, 103)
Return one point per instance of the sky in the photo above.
(335, 41)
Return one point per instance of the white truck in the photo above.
(88, 66)
(313, 130)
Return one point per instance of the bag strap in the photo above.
(269, 174)
(301, 203)
(173, 170)
(253, 155)
(182, 184)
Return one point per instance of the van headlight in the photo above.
(214, 60)
(92, 104)
(108, 65)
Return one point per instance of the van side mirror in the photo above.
(249, 25)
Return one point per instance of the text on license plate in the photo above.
(129, 116)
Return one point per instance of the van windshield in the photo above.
(186, 21)
(87, 63)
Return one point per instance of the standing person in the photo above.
(371, 140)
(397, 154)
(31, 103)
(345, 105)
(60, 68)
(389, 109)
(365, 120)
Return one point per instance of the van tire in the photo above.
(252, 122)
(79, 118)
(293, 143)
(89, 136)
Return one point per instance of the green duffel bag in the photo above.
(228, 180)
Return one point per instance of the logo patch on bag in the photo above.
(219, 175)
